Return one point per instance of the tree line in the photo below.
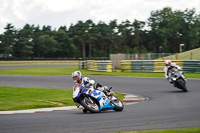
(163, 31)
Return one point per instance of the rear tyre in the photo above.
(119, 106)
(90, 104)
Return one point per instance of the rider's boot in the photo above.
(84, 111)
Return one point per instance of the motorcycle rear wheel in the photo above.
(90, 104)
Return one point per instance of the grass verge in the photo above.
(19, 98)
(43, 62)
(69, 70)
(183, 130)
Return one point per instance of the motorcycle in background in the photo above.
(178, 80)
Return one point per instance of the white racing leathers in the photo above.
(166, 72)
(86, 82)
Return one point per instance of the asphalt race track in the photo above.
(167, 107)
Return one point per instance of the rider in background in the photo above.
(167, 68)
(170, 66)
(86, 82)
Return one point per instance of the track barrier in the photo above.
(96, 65)
(158, 65)
(188, 66)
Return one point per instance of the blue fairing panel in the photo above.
(106, 105)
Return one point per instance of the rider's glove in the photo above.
(105, 88)
(86, 82)
(167, 78)
(98, 85)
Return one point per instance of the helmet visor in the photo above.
(75, 78)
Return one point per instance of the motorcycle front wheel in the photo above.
(119, 106)
(182, 85)
(90, 104)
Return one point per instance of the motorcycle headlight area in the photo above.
(174, 79)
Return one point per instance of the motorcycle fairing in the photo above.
(106, 105)
(100, 96)
(82, 91)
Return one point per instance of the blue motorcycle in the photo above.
(96, 101)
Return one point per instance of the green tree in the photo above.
(47, 46)
(91, 37)
(115, 37)
(77, 32)
(138, 34)
(81, 36)
(104, 42)
(65, 46)
(166, 30)
(24, 42)
(169, 29)
(191, 30)
(125, 34)
(8, 39)
(36, 47)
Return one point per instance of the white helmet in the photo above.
(77, 76)
(167, 62)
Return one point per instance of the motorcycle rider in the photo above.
(170, 66)
(166, 69)
(86, 82)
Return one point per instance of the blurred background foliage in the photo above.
(163, 32)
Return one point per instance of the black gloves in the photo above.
(98, 85)
(86, 82)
